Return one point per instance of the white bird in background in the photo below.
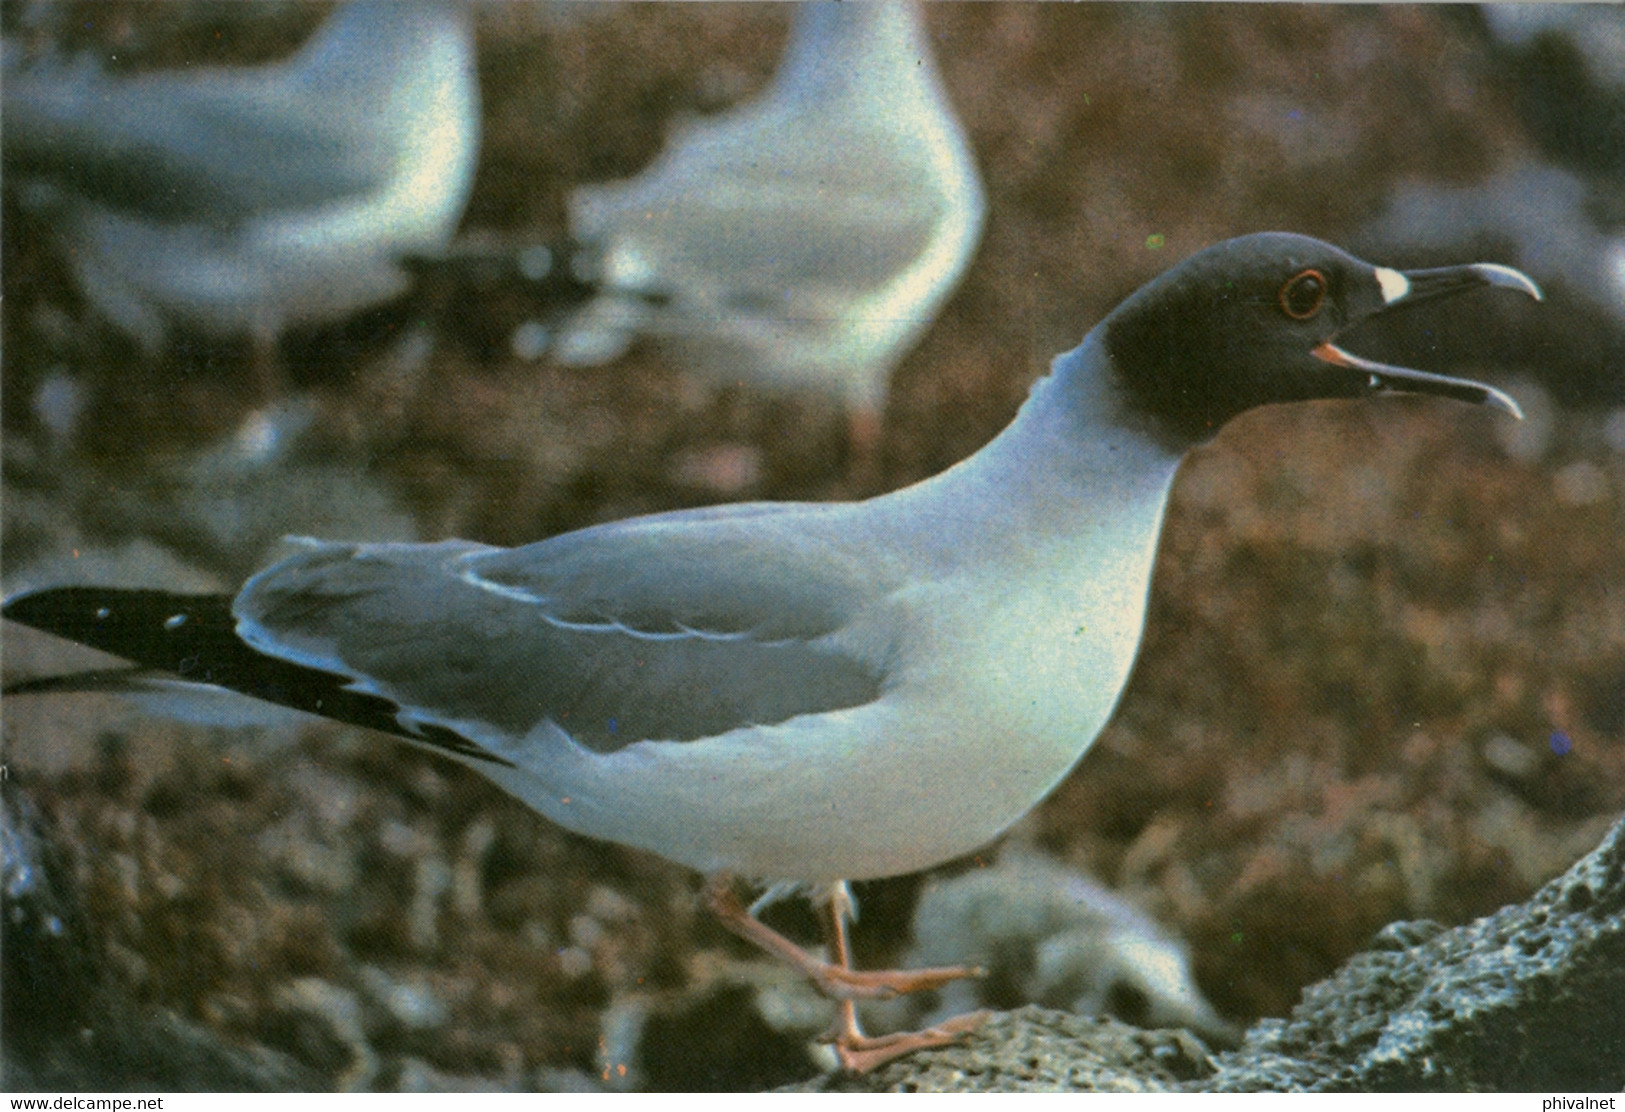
(804, 239)
(242, 200)
(1052, 936)
(809, 693)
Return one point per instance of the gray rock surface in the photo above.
(1036, 1050)
(1529, 998)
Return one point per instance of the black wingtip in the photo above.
(155, 629)
(194, 637)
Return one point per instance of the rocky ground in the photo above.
(1524, 1000)
(1384, 676)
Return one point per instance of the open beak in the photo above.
(1403, 288)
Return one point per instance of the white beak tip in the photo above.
(1508, 278)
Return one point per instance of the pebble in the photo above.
(574, 962)
(340, 1010)
(412, 1004)
(1582, 483)
(1511, 757)
(432, 879)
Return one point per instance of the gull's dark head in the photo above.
(1251, 321)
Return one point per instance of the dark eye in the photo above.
(1302, 294)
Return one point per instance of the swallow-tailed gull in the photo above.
(804, 239)
(240, 200)
(809, 693)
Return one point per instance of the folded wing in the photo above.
(660, 629)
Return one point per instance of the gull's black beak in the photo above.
(1400, 289)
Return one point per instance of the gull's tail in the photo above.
(193, 638)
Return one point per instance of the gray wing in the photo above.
(668, 628)
(176, 153)
(223, 144)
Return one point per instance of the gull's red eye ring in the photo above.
(1303, 294)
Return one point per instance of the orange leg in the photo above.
(837, 979)
(860, 1053)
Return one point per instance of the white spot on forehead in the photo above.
(1394, 284)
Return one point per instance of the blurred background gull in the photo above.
(240, 200)
(805, 238)
(1049, 935)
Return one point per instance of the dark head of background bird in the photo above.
(1251, 322)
